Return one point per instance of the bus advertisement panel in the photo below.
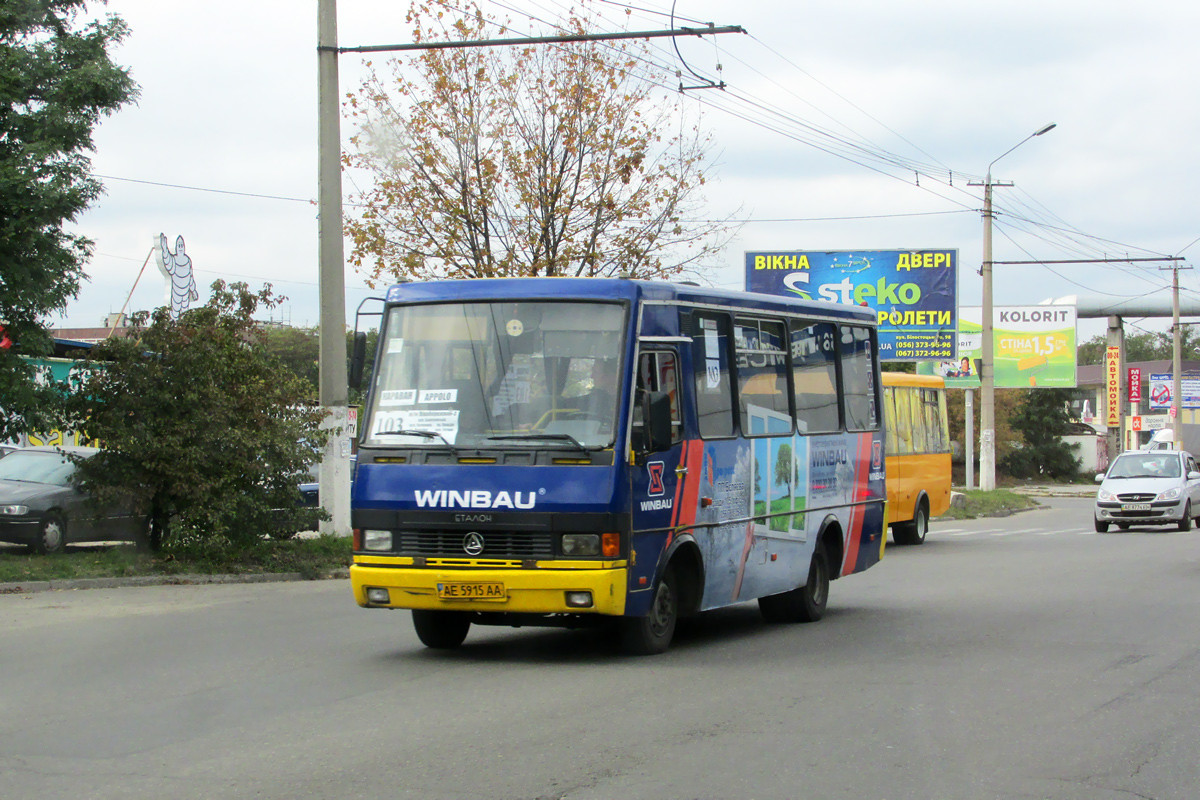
(913, 293)
(1032, 345)
(568, 451)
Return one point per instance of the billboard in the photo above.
(1032, 346)
(1163, 383)
(913, 292)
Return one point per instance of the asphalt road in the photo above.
(1019, 658)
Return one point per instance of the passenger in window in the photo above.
(601, 401)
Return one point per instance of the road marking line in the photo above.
(947, 530)
(1014, 533)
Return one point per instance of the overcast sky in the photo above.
(228, 102)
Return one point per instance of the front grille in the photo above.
(496, 544)
(1136, 497)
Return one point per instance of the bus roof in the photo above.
(908, 379)
(500, 289)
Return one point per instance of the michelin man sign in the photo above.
(176, 267)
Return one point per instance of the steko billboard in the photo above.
(913, 292)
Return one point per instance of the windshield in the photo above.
(1146, 465)
(33, 466)
(527, 374)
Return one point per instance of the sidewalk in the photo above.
(1057, 490)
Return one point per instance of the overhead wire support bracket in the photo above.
(582, 37)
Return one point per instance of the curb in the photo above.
(29, 587)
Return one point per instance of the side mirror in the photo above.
(1100, 477)
(656, 413)
(1194, 476)
(358, 357)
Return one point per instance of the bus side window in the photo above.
(659, 372)
(762, 378)
(814, 375)
(890, 413)
(710, 371)
(858, 379)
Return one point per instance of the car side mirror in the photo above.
(656, 415)
(1194, 476)
(1100, 477)
(358, 358)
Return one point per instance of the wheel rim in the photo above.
(663, 610)
(52, 534)
(922, 525)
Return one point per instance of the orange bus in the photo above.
(918, 453)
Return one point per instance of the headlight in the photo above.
(581, 544)
(1103, 495)
(377, 540)
(14, 511)
(1169, 494)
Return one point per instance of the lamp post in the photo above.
(987, 394)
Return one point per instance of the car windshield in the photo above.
(33, 466)
(504, 374)
(1146, 465)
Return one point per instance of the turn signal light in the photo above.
(358, 538)
(610, 545)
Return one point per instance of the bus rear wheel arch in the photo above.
(804, 603)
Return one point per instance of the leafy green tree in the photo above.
(1144, 346)
(56, 82)
(203, 430)
(1041, 420)
(299, 350)
(549, 160)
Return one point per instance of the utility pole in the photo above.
(1176, 359)
(334, 390)
(987, 388)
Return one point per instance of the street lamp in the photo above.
(987, 409)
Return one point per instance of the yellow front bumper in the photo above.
(540, 590)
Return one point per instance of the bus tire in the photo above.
(651, 634)
(805, 603)
(441, 630)
(913, 532)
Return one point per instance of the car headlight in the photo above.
(1105, 495)
(581, 544)
(14, 511)
(377, 540)
(1169, 494)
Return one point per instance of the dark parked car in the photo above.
(41, 506)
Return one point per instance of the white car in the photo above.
(1149, 487)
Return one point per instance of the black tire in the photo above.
(1185, 522)
(52, 535)
(913, 532)
(1101, 527)
(441, 630)
(651, 634)
(1123, 526)
(805, 603)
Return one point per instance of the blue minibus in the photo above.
(568, 451)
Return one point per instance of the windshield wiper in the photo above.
(544, 437)
(423, 434)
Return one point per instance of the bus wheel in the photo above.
(441, 630)
(651, 634)
(803, 604)
(912, 532)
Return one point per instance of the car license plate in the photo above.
(1135, 506)
(471, 591)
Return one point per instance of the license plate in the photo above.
(1135, 506)
(471, 591)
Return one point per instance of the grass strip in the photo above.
(996, 503)
(312, 558)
